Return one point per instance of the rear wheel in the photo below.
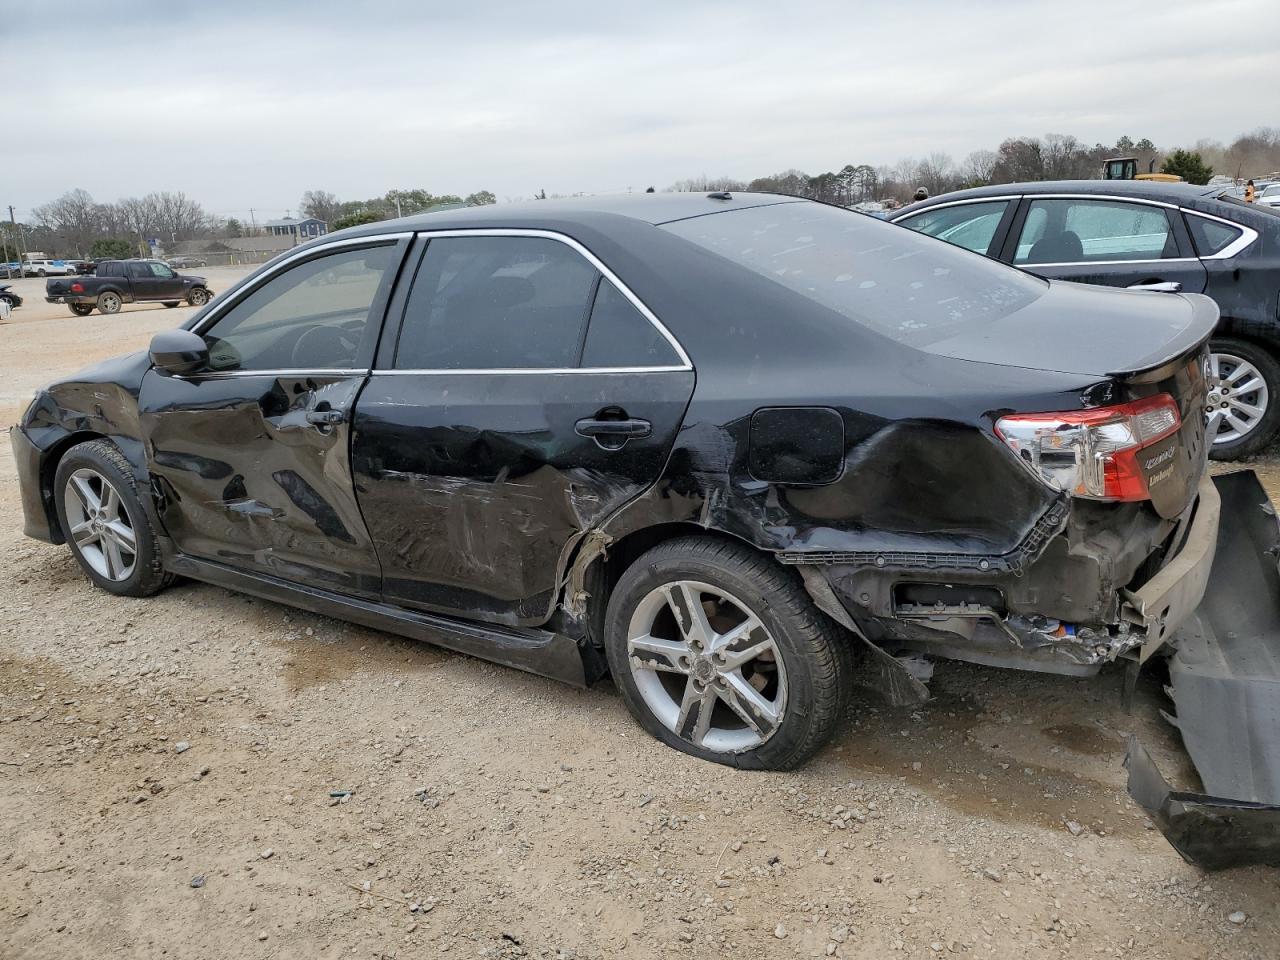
(81, 309)
(719, 652)
(106, 527)
(1243, 405)
(198, 297)
(109, 302)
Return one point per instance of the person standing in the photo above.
(1248, 192)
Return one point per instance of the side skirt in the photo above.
(542, 652)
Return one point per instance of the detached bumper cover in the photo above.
(1225, 685)
(26, 457)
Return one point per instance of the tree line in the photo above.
(77, 225)
(1055, 156)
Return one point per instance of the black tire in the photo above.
(104, 457)
(9, 301)
(198, 296)
(172, 303)
(81, 309)
(110, 302)
(41, 273)
(816, 656)
(1261, 435)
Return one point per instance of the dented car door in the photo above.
(250, 458)
(527, 397)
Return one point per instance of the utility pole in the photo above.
(18, 244)
(253, 224)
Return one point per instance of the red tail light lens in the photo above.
(1092, 453)
(77, 288)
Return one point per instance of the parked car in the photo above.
(10, 297)
(47, 268)
(1270, 196)
(117, 282)
(186, 263)
(709, 444)
(11, 270)
(1152, 236)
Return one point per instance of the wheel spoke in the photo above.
(1214, 425)
(745, 700)
(85, 494)
(1239, 372)
(696, 708)
(1247, 408)
(1236, 423)
(83, 533)
(1245, 388)
(653, 653)
(110, 503)
(111, 554)
(686, 604)
(121, 533)
(742, 644)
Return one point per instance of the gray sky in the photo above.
(248, 104)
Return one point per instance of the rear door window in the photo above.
(620, 335)
(1077, 230)
(493, 303)
(1211, 236)
(969, 225)
(139, 271)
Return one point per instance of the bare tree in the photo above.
(978, 167)
(320, 204)
(934, 172)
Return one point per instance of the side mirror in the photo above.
(179, 351)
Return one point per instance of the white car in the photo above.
(1270, 196)
(47, 268)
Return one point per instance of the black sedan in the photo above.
(1154, 236)
(712, 445)
(10, 296)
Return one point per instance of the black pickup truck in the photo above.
(117, 282)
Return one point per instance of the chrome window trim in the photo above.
(1237, 246)
(591, 258)
(957, 203)
(219, 309)
(1103, 263)
(521, 371)
(274, 372)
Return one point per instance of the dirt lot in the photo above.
(168, 771)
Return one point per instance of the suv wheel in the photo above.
(719, 652)
(1244, 398)
(106, 527)
(109, 302)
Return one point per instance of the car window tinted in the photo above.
(486, 303)
(902, 284)
(968, 225)
(1211, 236)
(314, 316)
(1084, 231)
(620, 335)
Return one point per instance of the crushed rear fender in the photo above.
(1224, 673)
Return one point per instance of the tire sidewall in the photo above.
(104, 299)
(145, 561)
(198, 297)
(644, 576)
(1262, 435)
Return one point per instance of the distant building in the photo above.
(306, 229)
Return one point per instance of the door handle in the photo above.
(322, 414)
(613, 434)
(1157, 286)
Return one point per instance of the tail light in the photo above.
(1092, 453)
(77, 288)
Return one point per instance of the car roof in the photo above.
(651, 208)
(1183, 194)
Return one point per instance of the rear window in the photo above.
(900, 283)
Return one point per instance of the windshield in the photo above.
(902, 284)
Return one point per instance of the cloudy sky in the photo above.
(247, 104)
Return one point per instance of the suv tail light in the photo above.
(1092, 453)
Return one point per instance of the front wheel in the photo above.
(81, 309)
(719, 652)
(41, 273)
(104, 522)
(1243, 405)
(198, 297)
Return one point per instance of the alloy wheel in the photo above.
(99, 525)
(199, 298)
(706, 666)
(109, 303)
(1237, 399)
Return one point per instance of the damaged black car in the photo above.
(717, 446)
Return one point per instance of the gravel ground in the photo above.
(206, 775)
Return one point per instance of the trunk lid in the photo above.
(1095, 331)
